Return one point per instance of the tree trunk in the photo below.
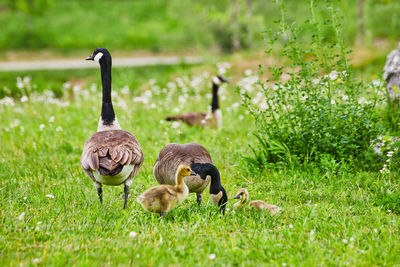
(248, 20)
(360, 30)
(235, 25)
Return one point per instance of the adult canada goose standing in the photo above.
(197, 157)
(111, 156)
(204, 119)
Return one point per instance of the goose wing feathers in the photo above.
(111, 150)
(173, 155)
(191, 118)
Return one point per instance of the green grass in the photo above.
(160, 25)
(329, 216)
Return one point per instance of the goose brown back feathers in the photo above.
(190, 118)
(108, 151)
(173, 155)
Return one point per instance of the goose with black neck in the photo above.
(111, 156)
(197, 157)
(217, 191)
(205, 119)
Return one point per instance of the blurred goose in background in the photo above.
(392, 76)
(111, 156)
(243, 195)
(163, 198)
(204, 119)
(199, 160)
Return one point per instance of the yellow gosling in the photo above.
(163, 198)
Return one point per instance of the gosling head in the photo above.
(241, 193)
(100, 55)
(184, 170)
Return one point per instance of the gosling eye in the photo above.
(188, 170)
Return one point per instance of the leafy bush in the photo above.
(313, 109)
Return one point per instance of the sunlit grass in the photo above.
(328, 217)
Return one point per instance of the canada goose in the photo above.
(163, 198)
(392, 76)
(111, 156)
(243, 195)
(198, 158)
(204, 119)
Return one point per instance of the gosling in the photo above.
(243, 195)
(163, 198)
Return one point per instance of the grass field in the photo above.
(173, 25)
(50, 214)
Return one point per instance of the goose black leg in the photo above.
(126, 191)
(162, 214)
(199, 199)
(100, 194)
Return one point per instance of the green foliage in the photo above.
(318, 109)
(159, 25)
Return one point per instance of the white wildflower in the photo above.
(182, 99)
(333, 75)
(20, 83)
(51, 119)
(241, 117)
(15, 123)
(24, 98)
(25, 198)
(50, 196)
(27, 79)
(141, 99)
(21, 216)
(344, 240)
(59, 129)
(36, 261)
(212, 256)
(175, 124)
(66, 85)
(235, 105)
(133, 234)
(41, 127)
(375, 230)
(290, 225)
(312, 232)
(7, 101)
(248, 72)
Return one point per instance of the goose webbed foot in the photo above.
(126, 191)
(199, 200)
(100, 194)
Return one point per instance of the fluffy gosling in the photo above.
(243, 195)
(163, 198)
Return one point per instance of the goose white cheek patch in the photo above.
(216, 80)
(98, 56)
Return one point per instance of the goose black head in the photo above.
(100, 55)
(217, 80)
